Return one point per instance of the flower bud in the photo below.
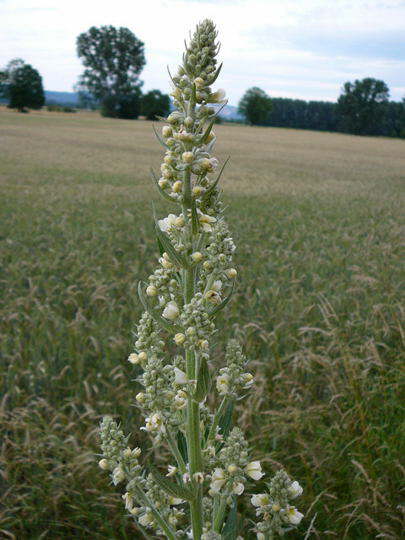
(197, 256)
(187, 157)
(174, 117)
(140, 397)
(142, 356)
(167, 131)
(163, 183)
(179, 339)
(103, 464)
(133, 358)
(151, 290)
(197, 191)
(231, 273)
(199, 82)
(188, 121)
(177, 186)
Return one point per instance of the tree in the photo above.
(394, 119)
(362, 106)
(255, 106)
(21, 84)
(155, 104)
(113, 58)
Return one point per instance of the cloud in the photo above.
(297, 48)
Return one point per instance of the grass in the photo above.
(317, 221)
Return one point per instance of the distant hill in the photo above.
(61, 98)
(229, 112)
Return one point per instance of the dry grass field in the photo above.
(317, 221)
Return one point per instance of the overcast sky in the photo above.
(290, 48)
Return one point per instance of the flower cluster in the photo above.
(210, 466)
(274, 508)
(232, 379)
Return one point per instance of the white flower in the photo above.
(180, 399)
(217, 285)
(295, 490)
(118, 475)
(254, 470)
(175, 500)
(199, 82)
(261, 499)
(179, 376)
(171, 470)
(247, 380)
(217, 480)
(205, 221)
(129, 501)
(171, 311)
(238, 488)
(198, 477)
(166, 223)
(146, 519)
(154, 423)
(186, 477)
(292, 515)
(217, 97)
(223, 383)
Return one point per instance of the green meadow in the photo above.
(317, 220)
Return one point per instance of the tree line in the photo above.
(363, 108)
(113, 59)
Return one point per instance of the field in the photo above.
(317, 221)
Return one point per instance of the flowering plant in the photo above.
(197, 495)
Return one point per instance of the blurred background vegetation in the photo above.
(317, 221)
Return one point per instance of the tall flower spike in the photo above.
(210, 467)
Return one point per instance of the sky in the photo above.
(290, 48)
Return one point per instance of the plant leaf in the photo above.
(175, 490)
(159, 138)
(203, 381)
(223, 303)
(225, 422)
(230, 530)
(161, 191)
(216, 74)
(182, 444)
(214, 185)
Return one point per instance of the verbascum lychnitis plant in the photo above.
(188, 397)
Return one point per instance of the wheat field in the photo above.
(317, 221)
